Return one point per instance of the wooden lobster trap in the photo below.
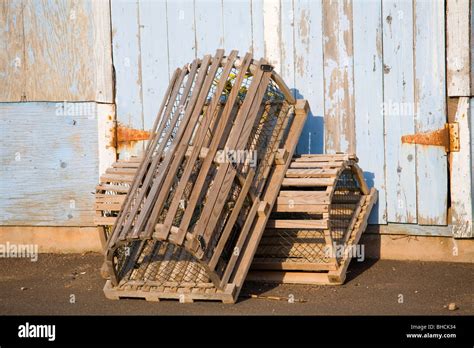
(222, 140)
(320, 214)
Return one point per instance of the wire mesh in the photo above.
(158, 263)
(346, 196)
(310, 245)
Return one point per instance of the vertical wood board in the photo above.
(338, 76)
(309, 79)
(458, 33)
(461, 172)
(399, 110)
(237, 19)
(154, 57)
(431, 111)
(368, 93)
(128, 72)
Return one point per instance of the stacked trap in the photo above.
(320, 214)
(185, 221)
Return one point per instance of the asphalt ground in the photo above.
(382, 287)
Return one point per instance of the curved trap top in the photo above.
(196, 193)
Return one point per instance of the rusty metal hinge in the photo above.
(448, 137)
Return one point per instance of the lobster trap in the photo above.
(320, 214)
(192, 216)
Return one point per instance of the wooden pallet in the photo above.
(320, 214)
(190, 207)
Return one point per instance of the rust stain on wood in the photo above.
(126, 134)
(125, 137)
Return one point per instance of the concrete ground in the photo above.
(46, 287)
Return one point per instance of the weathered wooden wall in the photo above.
(372, 71)
(56, 110)
(55, 50)
(49, 168)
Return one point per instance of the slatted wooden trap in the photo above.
(321, 211)
(192, 218)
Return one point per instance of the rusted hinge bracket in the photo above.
(448, 137)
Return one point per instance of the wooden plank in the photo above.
(155, 71)
(258, 29)
(114, 188)
(102, 50)
(12, 64)
(292, 266)
(121, 170)
(104, 220)
(315, 165)
(320, 158)
(287, 45)
(368, 75)
(295, 224)
(272, 25)
(461, 172)
(103, 198)
(126, 164)
(49, 172)
(458, 42)
(106, 134)
(399, 110)
(209, 27)
(472, 47)
(316, 195)
(309, 77)
(430, 105)
(127, 64)
(237, 23)
(108, 206)
(338, 76)
(289, 277)
(64, 45)
(181, 24)
(172, 293)
(308, 182)
(116, 178)
(311, 173)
